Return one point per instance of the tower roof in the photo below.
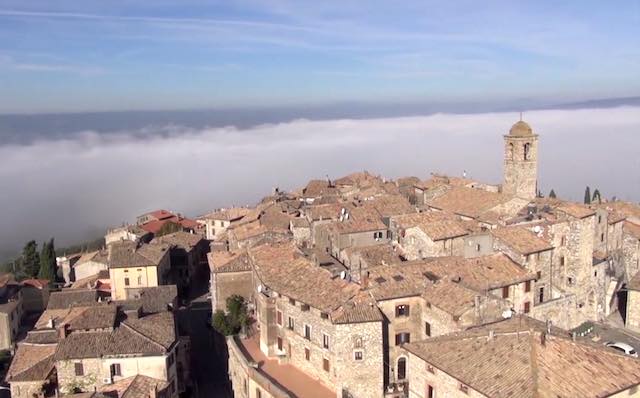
(521, 129)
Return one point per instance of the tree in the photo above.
(48, 262)
(234, 320)
(596, 196)
(552, 194)
(168, 228)
(587, 196)
(30, 261)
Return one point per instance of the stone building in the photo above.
(521, 162)
(217, 222)
(517, 357)
(321, 326)
(632, 316)
(90, 264)
(230, 275)
(429, 234)
(356, 227)
(35, 295)
(11, 311)
(135, 265)
(359, 260)
(32, 370)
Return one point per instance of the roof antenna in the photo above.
(520, 115)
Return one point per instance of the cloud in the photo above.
(74, 188)
(9, 62)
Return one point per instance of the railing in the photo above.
(398, 389)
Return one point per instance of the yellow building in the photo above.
(133, 265)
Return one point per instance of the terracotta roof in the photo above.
(42, 336)
(283, 269)
(72, 297)
(521, 240)
(99, 256)
(632, 229)
(390, 205)
(151, 335)
(528, 363)
(98, 316)
(160, 214)
(451, 297)
(470, 202)
(361, 308)
(156, 225)
(576, 210)
(230, 214)
(180, 239)
(221, 261)
(138, 386)
(125, 254)
(628, 209)
(329, 211)
(375, 255)
(155, 299)
(275, 218)
(97, 281)
(437, 225)
(299, 222)
(359, 219)
(317, 188)
(412, 278)
(356, 178)
(31, 362)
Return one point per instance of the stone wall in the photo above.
(339, 242)
(477, 245)
(88, 268)
(560, 311)
(97, 370)
(416, 245)
(520, 174)
(226, 284)
(631, 255)
(26, 389)
(633, 310)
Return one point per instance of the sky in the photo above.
(96, 55)
(73, 188)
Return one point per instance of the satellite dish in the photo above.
(343, 274)
(259, 288)
(537, 229)
(507, 314)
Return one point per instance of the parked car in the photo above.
(622, 347)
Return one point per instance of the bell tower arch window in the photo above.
(527, 151)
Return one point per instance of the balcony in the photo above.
(398, 389)
(283, 380)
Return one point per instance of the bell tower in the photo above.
(521, 162)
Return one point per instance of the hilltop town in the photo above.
(355, 287)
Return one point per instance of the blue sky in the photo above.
(125, 54)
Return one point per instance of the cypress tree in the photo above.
(596, 196)
(552, 194)
(48, 262)
(587, 196)
(30, 259)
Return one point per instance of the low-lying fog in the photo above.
(73, 188)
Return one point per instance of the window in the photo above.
(527, 151)
(126, 281)
(280, 343)
(602, 237)
(431, 392)
(563, 240)
(599, 219)
(357, 343)
(291, 323)
(427, 329)
(307, 354)
(292, 301)
(304, 307)
(307, 332)
(402, 310)
(357, 355)
(570, 281)
(79, 369)
(561, 260)
(402, 368)
(478, 247)
(115, 369)
(527, 286)
(402, 338)
(246, 387)
(595, 273)
(538, 275)
(527, 307)
(139, 280)
(511, 151)
(325, 341)
(430, 368)
(279, 317)
(463, 388)
(324, 315)
(258, 393)
(505, 292)
(325, 364)
(541, 294)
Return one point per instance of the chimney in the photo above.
(573, 336)
(63, 331)
(548, 326)
(491, 335)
